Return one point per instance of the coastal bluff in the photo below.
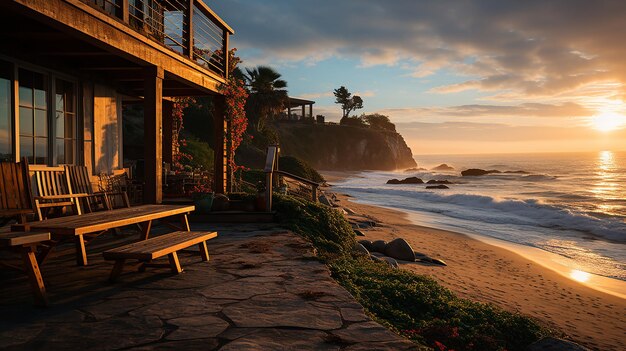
(339, 147)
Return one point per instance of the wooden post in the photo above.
(268, 191)
(289, 112)
(221, 156)
(303, 112)
(152, 119)
(314, 193)
(124, 10)
(188, 30)
(311, 110)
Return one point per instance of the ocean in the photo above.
(572, 204)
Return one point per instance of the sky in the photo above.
(456, 77)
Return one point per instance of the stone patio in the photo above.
(263, 289)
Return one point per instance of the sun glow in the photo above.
(580, 275)
(608, 121)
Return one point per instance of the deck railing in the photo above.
(188, 27)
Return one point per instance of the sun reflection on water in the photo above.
(579, 275)
(606, 186)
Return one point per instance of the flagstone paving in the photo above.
(263, 289)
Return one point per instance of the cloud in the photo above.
(493, 112)
(537, 48)
(316, 95)
(366, 93)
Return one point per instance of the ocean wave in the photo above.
(538, 178)
(504, 211)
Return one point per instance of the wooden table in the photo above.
(78, 226)
(27, 243)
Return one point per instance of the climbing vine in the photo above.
(235, 95)
(178, 156)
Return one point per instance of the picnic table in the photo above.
(77, 227)
(27, 243)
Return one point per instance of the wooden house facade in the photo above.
(67, 67)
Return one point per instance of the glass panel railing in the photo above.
(208, 42)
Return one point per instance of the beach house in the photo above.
(68, 67)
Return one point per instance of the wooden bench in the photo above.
(153, 248)
(28, 242)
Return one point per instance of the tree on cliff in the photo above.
(348, 102)
(268, 95)
(378, 121)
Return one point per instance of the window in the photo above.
(65, 122)
(6, 131)
(33, 116)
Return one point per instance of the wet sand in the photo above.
(487, 273)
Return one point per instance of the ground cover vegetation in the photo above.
(414, 306)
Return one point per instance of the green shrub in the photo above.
(201, 153)
(326, 228)
(300, 168)
(415, 306)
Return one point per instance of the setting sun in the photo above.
(608, 121)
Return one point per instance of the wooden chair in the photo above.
(81, 183)
(54, 192)
(115, 185)
(15, 192)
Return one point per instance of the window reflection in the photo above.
(6, 149)
(33, 116)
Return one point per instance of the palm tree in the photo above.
(268, 95)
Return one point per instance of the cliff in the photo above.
(336, 147)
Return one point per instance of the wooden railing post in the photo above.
(314, 193)
(188, 30)
(125, 11)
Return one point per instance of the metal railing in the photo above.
(195, 32)
(208, 42)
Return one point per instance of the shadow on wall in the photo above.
(109, 150)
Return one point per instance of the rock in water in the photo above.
(358, 232)
(434, 181)
(379, 246)
(412, 180)
(400, 249)
(440, 186)
(443, 167)
(360, 249)
(409, 180)
(473, 172)
(367, 244)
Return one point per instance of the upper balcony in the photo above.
(114, 41)
(188, 27)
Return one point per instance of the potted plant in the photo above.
(202, 196)
(260, 203)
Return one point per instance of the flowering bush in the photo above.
(202, 188)
(236, 96)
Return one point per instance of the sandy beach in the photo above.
(486, 273)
